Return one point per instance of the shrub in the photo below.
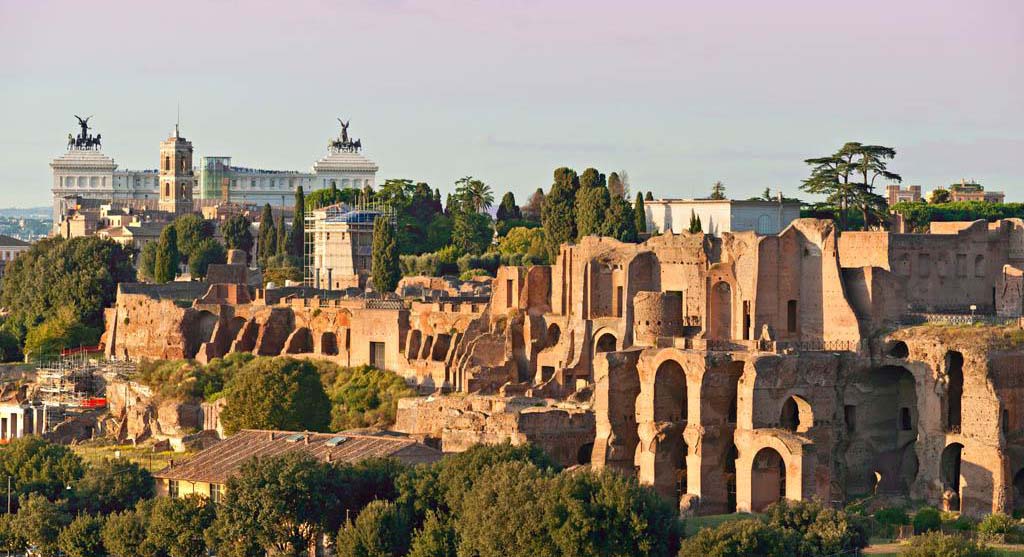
(473, 273)
(737, 538)
(927, 519)
(489, 262)
(997, 523)
(363, 396)
(889, 520)
(937, 544)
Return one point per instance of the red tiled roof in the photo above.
(219, 462)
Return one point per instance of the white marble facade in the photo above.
(90, 174)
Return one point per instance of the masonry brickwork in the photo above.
(727, 372)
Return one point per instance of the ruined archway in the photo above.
(1018, 490)
(767, 479)
(583, 454)
(899, 349)
(670, 396)
(554, 333)
(954, 390)
(949, 473)
(720, 313)
(729, 477)
(329, 343)
(605, 343)
(205, 323)
(881, 453)
(796, 415)
(299, 342)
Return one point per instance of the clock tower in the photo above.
(176, 176)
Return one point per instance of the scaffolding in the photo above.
(317, 224)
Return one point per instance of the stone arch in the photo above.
(554, 333)
(954, 390)
(329, 343)
(1018, 490)
(606, 342)
(670, 393)
(720, 312)
(898, 349)
(300, 341)
(767, 479)
(949, 473)
(881, 450)
(797, 415)
(205, 323)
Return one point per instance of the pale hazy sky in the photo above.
(679, 94)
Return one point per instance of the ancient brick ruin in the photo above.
(727, 372)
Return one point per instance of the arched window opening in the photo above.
(670, 396)
(796, 415)
(950, 468)
(767, 479)
(554, 333)
(720, 318)
(899, 350)
(955, 390)
(791, 316)
(606, 343)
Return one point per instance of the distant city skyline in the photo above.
(677, 94)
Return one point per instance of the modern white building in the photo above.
(717, 216)
(85, 172)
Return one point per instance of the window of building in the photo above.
(377, 355)
(216, 491)
(850, 417)
(791, 316)
(172, 489)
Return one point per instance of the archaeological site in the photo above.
(726, 371)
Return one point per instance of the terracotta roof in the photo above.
(219, 462)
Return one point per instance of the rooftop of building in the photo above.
(12, 242)
(219, 462)
(706, 200)
(344, 161)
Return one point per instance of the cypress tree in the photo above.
(649, 197)
(558, 213)
(592, 205)
(267, 235)
(695, 225)
(639, 214)
(166, 267)
(384, 263)
(619, 220)
(297, 234)
(508, 210)
(282, 236)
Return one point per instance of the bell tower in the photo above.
(176, 176)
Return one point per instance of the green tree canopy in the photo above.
(592, 204)
(206, 252)
(620, 220)
(267, 242)
(39, 467)
(558, 216)
(279, 505)
(83, 537)
(472, 232)
(167, 256)
(364, 396)
(39, 521)
(58, 332)
(384, 257)
(113, 485)
(190, 231)
(124, 534)
(507, 209)
(297, 233)
(534, 206)
(276, 393)
(177, 526)
(146, 266)
(717, 191)
(81, 274)
(474, 194)
(237, 232)
(381, 530)
(639, 214)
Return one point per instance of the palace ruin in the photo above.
(727, 372)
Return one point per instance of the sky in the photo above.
(678, 94)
